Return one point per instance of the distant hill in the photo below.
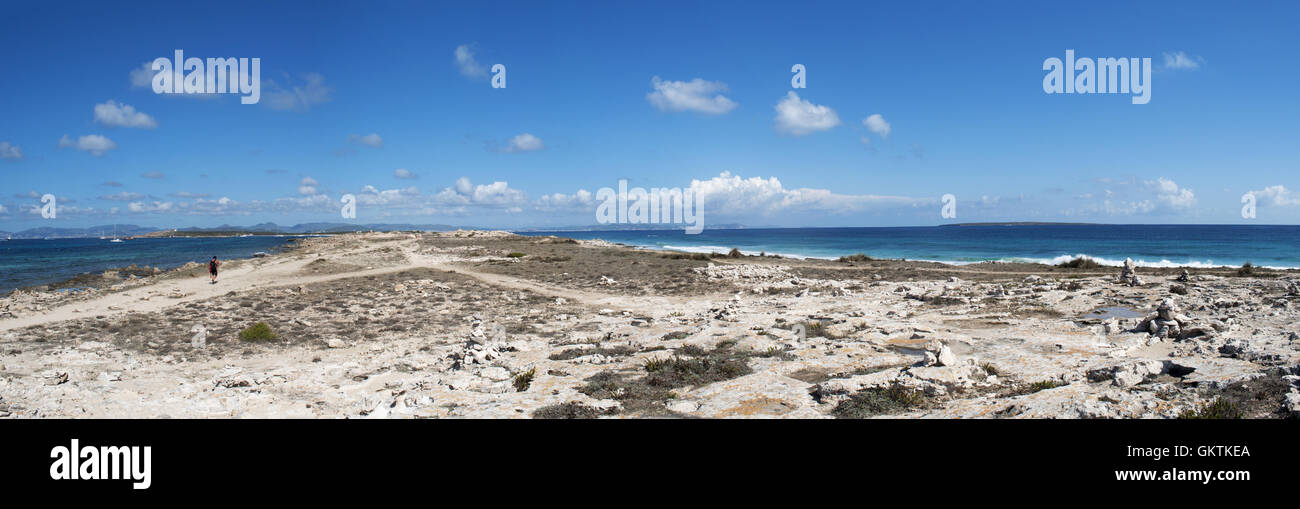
(130, 230)
(45, 232)
(1017, 223)
(633, 227)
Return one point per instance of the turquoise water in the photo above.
(1149, 245)
(33, 262)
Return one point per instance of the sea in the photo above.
(36, 262)
(1148, 245)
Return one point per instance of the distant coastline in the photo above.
(1023, 223)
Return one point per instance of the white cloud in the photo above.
(877, 124)
(307, 187)
(498, 194)
(1181, 61)
(95, 144)
(579, 201)
(798, 117)
(142, 77)
(525, 143)
(730, 195)
(297, 97)
(156, 206)
(406, 197)
(114, 114)
(369, 140)
(463, 186)
(187, 194)
(1170, 194)
(1131, 197)
(122, 196)
(10, 151)
(1277, 195)
(695, 95)
(153, 175)
(468, 65)
(403, 173)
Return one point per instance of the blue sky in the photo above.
(353, 92)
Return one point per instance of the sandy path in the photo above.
(156, 297)
(285, 271)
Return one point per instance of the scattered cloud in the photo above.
(369, 140)
(467, 63)
(95, 144)
(1277, 195)
(799, 117)
(114, 114)
(112, 183)
(10, 151)
(156, 206)
(156, 175)
(142, 76)
(696, 95)
(187, 194)
(1182, 61)
(877, 124)
(736, 196)
(308, 186)
(1151, 197)
(524, 143)
(403, 173)
(296, 95)
(122, 196)
(498, 194)
(1168, 193)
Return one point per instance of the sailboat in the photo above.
(115, 237)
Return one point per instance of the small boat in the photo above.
(115, 237)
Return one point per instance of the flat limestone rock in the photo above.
(757, 395)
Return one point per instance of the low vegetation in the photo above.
(691, 367)
(524, 380)
(875, 401)
(259, 331)
(1218, 409)
(687, 256)
(858, 258)
(570, 410)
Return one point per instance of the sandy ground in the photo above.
(486, 324)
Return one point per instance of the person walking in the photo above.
(212, 269)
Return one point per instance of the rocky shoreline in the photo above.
(489, 324)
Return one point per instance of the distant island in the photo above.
(1020, 223)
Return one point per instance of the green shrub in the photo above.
(856, 258)
(734, 253)
(569, 410)
(259, 331)
(516, 254)
(1246, 270)
(879, 401)
(1218, 409)
(525, 380)
(1044, 385)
